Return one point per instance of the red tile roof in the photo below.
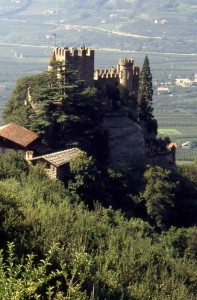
(172, 144)
(18, 134)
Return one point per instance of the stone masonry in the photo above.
(82, 61)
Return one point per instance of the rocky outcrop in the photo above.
(125, 138)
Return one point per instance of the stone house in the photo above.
(56, 164)
(14, 137)
(186, 145)
(161, 90)
(184, 82)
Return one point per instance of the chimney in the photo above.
(29, 155)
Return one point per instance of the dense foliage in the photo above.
(66, 112)
(15, 110)
(64, 250)
(62, 111)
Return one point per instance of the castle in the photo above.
(82, 61)
(126, 138)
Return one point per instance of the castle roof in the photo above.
(18, 134)
(172, 145)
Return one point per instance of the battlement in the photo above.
(86, 52)
(82, 61)
(126, 62)
(107, 73)
(67, 53)
(136, 70)
(79, 60)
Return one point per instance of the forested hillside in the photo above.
(58, 248)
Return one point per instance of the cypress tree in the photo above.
(145, 101)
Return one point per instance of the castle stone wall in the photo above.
(106, 77)
(125, 138)
(125, 70)
(81, 61)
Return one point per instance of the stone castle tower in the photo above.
(82, 61)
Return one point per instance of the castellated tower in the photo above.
(125, 75)
(128, 74)
(125, 71)
(81, 61)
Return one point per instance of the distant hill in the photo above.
(161, 26)
(139, 6)
(149, 5)
(10, 7)
(140, 25)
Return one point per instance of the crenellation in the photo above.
(66, 53)
(83, 52)
(74, 52)
(136, 70)
(107, 73)
(126, 61)
(82, 61)
(90, 52)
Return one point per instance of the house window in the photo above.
(47, 166)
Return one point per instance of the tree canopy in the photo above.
(63, 250)
(159, 194)
(65, 113)
(15, 110)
